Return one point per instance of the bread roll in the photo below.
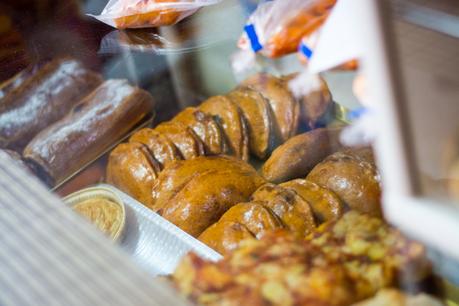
(285, 108)
(296, 157)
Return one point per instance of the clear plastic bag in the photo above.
(123, 14)
(307, 47)
(276, 28)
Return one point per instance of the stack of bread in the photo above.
(59, 116)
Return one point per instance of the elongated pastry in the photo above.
(42, 100)
(132, 169)
(91, 127)
(232, 120)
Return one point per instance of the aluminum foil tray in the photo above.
(154, 243)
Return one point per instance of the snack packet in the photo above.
(123, 14)
(276, 28)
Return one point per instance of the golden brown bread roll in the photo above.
(233, 123)
(244, 220)
(296, 157)
(325, 204)
(104, 116)
(206, 128)
(204, 198)
(183, 137)
(294, 211)
(353, 176)
(43, 99)
(132, 169)
(179, 173)
(162, 148)
(285, 108)
(259, 117)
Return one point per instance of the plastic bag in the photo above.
(307, 47)
(276, 28)
(123, 14)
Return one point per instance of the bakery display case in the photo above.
(219, 170)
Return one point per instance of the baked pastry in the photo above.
(285, 108)
(373, 253)
(258, 114)
(132, 169)
(296, 157)
(242, 221)
(225, 236)
(353, 176)
(316, 106)
(18, 80)
(43, 99)
(294, 211)
(183, 137)
(206, 128)
(232, 121)
(343, 263)
(162, 148)
(324, 203)
(104, 116)
(177, 174)
(200, 198)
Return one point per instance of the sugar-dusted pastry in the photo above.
(99, 120)
(44, 98)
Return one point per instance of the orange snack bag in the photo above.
(124, 14)
(276, 28)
